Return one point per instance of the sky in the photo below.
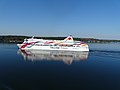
(79, 18)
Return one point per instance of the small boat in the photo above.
(68, 44)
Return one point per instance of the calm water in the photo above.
(98, 69)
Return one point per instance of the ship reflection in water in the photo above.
(65, 56)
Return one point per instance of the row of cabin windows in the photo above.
(55, 45)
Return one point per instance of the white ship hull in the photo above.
(60, 48)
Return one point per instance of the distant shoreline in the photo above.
(19, 39)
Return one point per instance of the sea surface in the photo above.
(98, 69)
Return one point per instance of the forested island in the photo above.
(19, 39)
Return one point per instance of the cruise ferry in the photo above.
(68, 44)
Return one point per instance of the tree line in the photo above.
(19, 39)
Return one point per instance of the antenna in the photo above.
(32, 36)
